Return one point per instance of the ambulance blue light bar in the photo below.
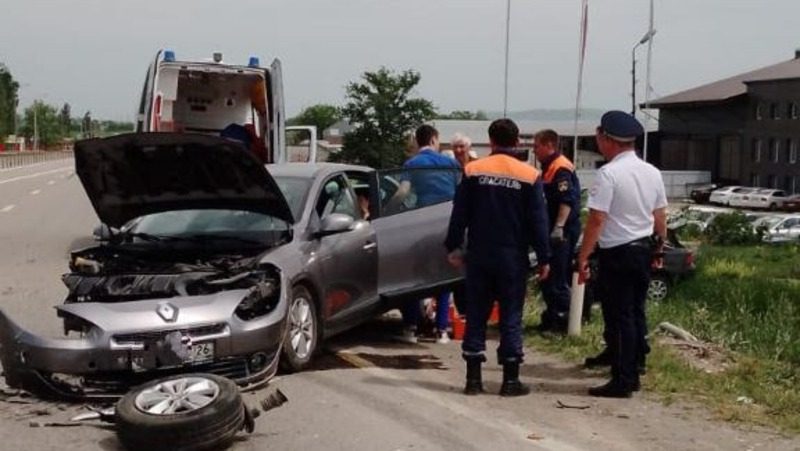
(169, 55)
(254, 62)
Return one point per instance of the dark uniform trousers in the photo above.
(556, 288)
(624, 276)
(499, 275)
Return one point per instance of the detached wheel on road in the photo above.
(182, 413)
(659, 288)
(302, 332)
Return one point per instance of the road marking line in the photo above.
(38, 174)
(354, 360)
(35, 192)
(51, 182)
(7, 208)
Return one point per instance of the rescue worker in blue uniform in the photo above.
(500, 205)
(563, 193)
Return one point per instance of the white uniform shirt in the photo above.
(628, 190)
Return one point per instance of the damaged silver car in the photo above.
(212, 262)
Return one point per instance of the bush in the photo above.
(733, 228)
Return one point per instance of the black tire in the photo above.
(773, 206)
(292, 359)
(210, 427)
(659, 287)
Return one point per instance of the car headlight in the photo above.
(261, 299)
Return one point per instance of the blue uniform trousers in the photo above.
(498, 275)
(624, 277)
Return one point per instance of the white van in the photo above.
(215, 98)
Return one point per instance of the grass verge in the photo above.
(745, 299)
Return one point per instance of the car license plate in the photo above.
(201, 352)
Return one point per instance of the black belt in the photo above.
(644, 243)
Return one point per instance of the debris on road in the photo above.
(561, 405)
(676, 331)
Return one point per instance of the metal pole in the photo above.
(508, 34)
(633, 80)
(647, 78)
(581, 57)
(35, 128)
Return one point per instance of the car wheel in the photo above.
(658, 288)
(186, 412)
(302, 331)
(773, 206)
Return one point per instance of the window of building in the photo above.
(774, 150)
(754, 180)
(787, 184)
(795, 184)
(759, 112)
(772, 181)
(791, 144)
(774, 111)
(756, 157)
(791, 112)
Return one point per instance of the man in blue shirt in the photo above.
(432, 185)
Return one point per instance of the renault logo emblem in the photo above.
(167, 312)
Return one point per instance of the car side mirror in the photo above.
(335, 223)
(102, 233)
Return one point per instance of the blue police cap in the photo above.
(620, 126)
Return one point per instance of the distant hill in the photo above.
(549, 114)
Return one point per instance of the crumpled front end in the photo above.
(230, 333)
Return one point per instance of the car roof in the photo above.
(311, 170)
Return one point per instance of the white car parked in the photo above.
(787, 228)
(741, 196)
(722, 195)
(771, 199)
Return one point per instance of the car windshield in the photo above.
(208, 225)
(768, 222)
(295, 190)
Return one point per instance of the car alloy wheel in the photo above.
(177, 396)
(302, 331)
(658, 288)
(189, 412)
(301, 327)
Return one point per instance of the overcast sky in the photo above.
(94, 53)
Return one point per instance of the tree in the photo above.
(41, 121)
(382, 112)
(86, 125)
(8, 102)
(464, 115)
(322, 116)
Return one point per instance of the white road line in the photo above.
(38, 174)
(35, 192)
(7, 208)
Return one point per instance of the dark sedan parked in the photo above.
(216, 263)
(701, 194)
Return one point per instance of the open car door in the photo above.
(301, 144)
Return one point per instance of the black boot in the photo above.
(602, 359)
(511, 384)
(474, 380)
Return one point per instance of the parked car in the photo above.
(782, 229)
(792, 203)
(722, 196)
(740, 197)
(765, 198)
(701, 194)
(699, 217)
(678, 264)
(228, 268)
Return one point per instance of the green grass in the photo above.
(746, 299)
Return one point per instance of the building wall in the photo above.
(699, 138)
(771, 156)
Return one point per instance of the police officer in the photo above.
(627, 203)
(563, 193)
(500, 205)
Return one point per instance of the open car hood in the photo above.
(137, 174)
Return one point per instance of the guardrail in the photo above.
(17, 159)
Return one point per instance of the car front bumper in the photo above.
(129, 343)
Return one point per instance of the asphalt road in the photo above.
(366, 392)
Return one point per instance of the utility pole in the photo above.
(35, 127)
